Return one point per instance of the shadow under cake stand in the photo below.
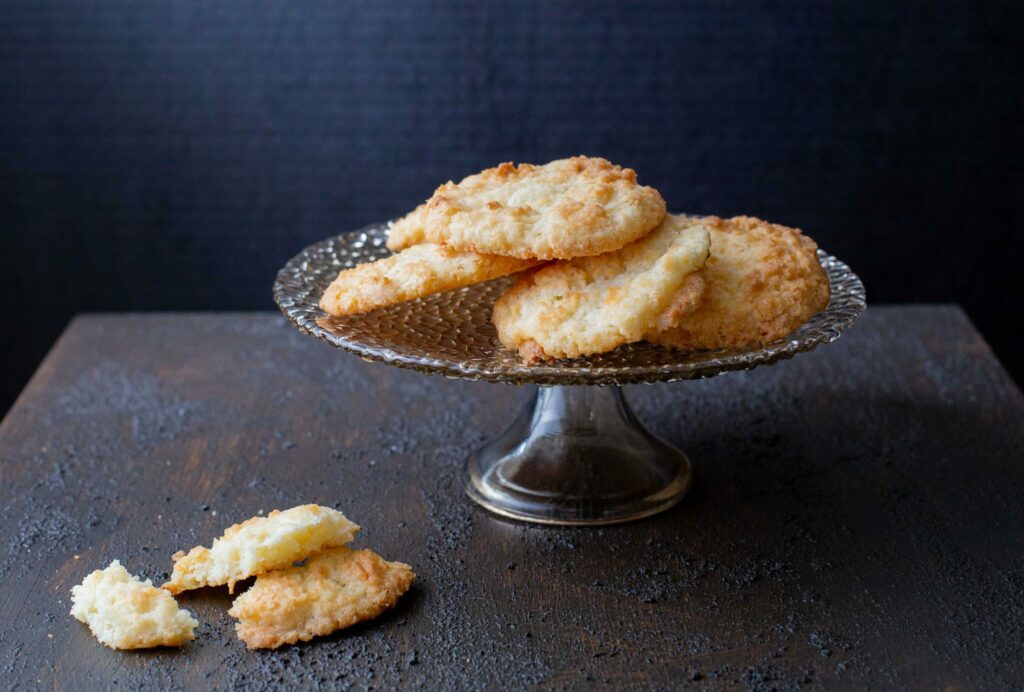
(576, 454)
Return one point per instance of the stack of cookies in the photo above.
(600, 264)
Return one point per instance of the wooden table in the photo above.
(857, 519)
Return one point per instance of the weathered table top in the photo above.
(857, 519)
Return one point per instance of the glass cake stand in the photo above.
(576, 454)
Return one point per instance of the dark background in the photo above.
(172, 155)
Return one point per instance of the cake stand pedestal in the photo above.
(577, 455)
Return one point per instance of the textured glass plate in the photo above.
(451, 333)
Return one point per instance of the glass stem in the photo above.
(577, 455)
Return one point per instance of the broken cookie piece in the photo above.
(259, 545)
(125, 613)
(333, 590)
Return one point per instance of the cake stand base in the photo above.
(577, 455)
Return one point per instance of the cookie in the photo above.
(413, 273)
(125, 613)
(594, 304)
(762, 282)
(568, 208)
(260, 544)
(408, 230)
(333, 590)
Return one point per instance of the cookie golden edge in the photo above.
(334, 589)
(123, 612)
(408, 230)
(763, 281)
(686, 300)
(415, 272)
(258, 545)
(603, 209)
(592, 305)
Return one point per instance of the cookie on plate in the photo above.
(568, 208)
(594, 304)
(332, 590)
(125, 613)
(762, 282)
(408, 230)
(413, 273)
(260, 544)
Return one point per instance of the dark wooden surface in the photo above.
(857, 519)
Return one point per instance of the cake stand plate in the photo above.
(576, 454)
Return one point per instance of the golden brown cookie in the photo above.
(125, 613)
(594, 304)
(762, 282)
(260, 544)
(333, 590)
(408, 230)
(568, 208)
(413, 273)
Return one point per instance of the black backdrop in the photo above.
(172, 155)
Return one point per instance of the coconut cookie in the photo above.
(568, 208)
(333, 590)
(260, 544)
(762, 282)
(413, 273)
(594, 304)
(125, 613)
(408, 230)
